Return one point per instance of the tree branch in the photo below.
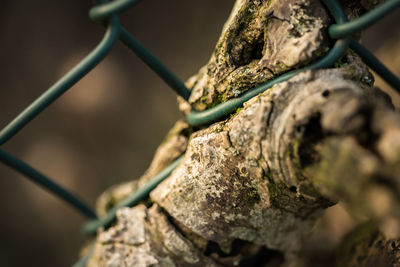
(250, 188)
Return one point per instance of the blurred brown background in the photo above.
(106, 128)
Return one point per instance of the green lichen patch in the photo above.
(260, 41)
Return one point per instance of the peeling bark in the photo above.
(250, 188)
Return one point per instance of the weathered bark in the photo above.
(250, 188)
(367, 246)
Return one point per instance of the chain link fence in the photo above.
(106, 13)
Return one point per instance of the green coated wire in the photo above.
(46, 183)
(62, 85)
(133, 199)
(105, 10)
(375, 64)
(196, 118)
(225, 108)
(336, 11)
(333, 55)
(156, 65)
(45, 100)
(341, 30)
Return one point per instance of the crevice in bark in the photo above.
(250, 188)
(312, 133)
(246, 254)
(265, 257)
(366, 136)
(250, 51)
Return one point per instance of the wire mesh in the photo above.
(107, 12)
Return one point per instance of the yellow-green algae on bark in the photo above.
(260, 40)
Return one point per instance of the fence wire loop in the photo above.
(108, 12)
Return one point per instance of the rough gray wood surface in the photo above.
(250, 188)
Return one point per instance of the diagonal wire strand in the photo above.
(154, 63)
(337, 31)
(106, 10)
(374, 63)
(110, 10)
(65, 83)
(132, 200)
(46, 183)
(198, 118)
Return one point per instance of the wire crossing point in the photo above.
(108, 12)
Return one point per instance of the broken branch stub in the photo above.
(254, 184)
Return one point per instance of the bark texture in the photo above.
(250, 188)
